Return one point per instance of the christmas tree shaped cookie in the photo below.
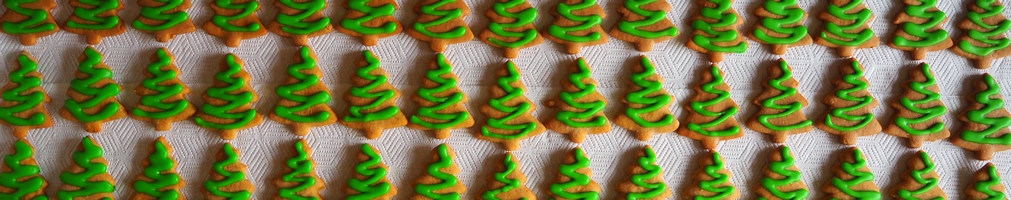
(711, 112)
(716, 30)
(95, 19)
(439, 181)
(88, 176)
(159, 179)
(511, 27)
(228, 177)
(20, 176)
(370, 20)
(372, 101)
(440, 102)
(369, 180)
(918, 111)
(574, 179)
(849, 106)
(985, 121)
(779, 105)
(162, 94)
(780, 25)
(781, 178)
(711, 180)
(28, 20)
(920, 181)
(580, 106)
(440, 23)
(851, 178)
(847, 27)
(509, 112)
(643, 23)
(986, 184)
(22, 99)
(304, 98)
(300, 20)
(299, 180)
(234, 21)
(648, 104)
(920, 29)
(645, 179)
(228, 102)
(577, 24)
(508, 182)
(983, 38)
(164, 18)
(91, 98)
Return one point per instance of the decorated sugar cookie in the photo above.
(849, 106)
(851, 178)
(91, 98)
(162, 94)
(440, 23)
(780, 25)
(711, 112)
(711, 180)
(507, 182)
(95, 19)
(644, 23)
(781, 179)
(574, 178)
(509, 111)
(300, 20)
(918, 111)
(647, 103)
(511, 27)
(22, 99)
(985, 121)
(780, 106)
(439, 180)
(369, 180)
(847, 27)
(227, 178)
(303, 104)
(645, 179)
(88, 176)
(580, 106)
(370, 20)
(228, 103)
(164, 18)
(159, 179)
(372, 101)
(919, 180)
(715, 30)
(920, 29)
(577, 24)
(986, 184)
(298, 179)
(234, 21)
(440, 103)
(983, 33)
(28, 20)
(21, 173)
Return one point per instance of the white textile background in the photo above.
(265, 147)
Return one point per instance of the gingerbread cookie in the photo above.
(160, 179)
(986, 184)
(920, 181)
(781, 26)
(162, 94)
(715, 31)
(849, 106)
(983, 33)
(847, 27)
(95, 19)
(440, 23)
(574, 178)
(234, 21)
(228, 103)
(580, 106)
(369, 180)
(711, 112)
(918, 111)
(985, 120)
(88, 176)
(299, 180)
(22, 103)
(23, 173)
(511, 27)
(780, 106)
(851, 178)
(372, 101)
(91, 98)
(645, 179)
(439, 181)
(509, 111)
(227, 178)
(711, 180)
(781, 179)
(920, 29)
(300, 20)
(577, 24)
(508, 182)
(370, 20)
(304, 98)
(647, 103)
(644, 23)
(28, 20)
(440, 102)
(164, 18)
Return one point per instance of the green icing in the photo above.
(37, 19)
(22, 179)
(230, 177)
(786, 110)
(159, 171)
(781, 168)
(725, 20)
(373, 185)
(162, 72)
(859, 103)
(847, 34)
(301, 174)
(991, 37)
(20, 98)
(576, 179)
(720, 117)
(921, 34)
(97, 95)
(237, 107)
(358, 113)
(519, 19)
(298, 24)
(648, 164)
(444, 16)
(164, 14)
(719, 185)
(788, 25)
(650, 18)
(435, 170)
(583, 22)
(508, 184)
(441, 102)
(84, 158)
(588, 114)
(364, 24)
(92, 12)
(304, 81)
(510, 127)
(644, 96)
(980, 116)
(859, 177)
(926, 114)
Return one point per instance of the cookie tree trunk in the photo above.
(22, 99)
(986, 121)
(580, 106)
(28, 20)
(372, 101)
(234, 21)
(440, 23)
(162, 94)
(711, 112)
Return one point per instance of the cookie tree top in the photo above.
(440, 103)
(234, 20)
(648, 104)
(91, 98)
(574, 179)
(849, 106)
(372, 101)
(507, 182)
(304, 98)
(511, 27)
(439, 181)
(162, 94)
(643, 23)
(509, 112)
(577, 24)
(580, 106)
(440, 23)
(780, 105)
(300, 20)
(645, 179)
(781, 25)
(918, 111)
(711, 180)
(22, 100)
(920, 181)
(781, 178)
(88, 176)
(370, 20)
(920, 29)
(95, 19)
(28, 19)
(228, 102)
(985, 120)
(20, 176)
(369, 180)
(852, 179)
(715, 30)
(984, 33)
(986, 184)
(164, 18)
(846, 27)
(227, 178)
(711, 112)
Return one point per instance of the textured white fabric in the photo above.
(265, 147)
